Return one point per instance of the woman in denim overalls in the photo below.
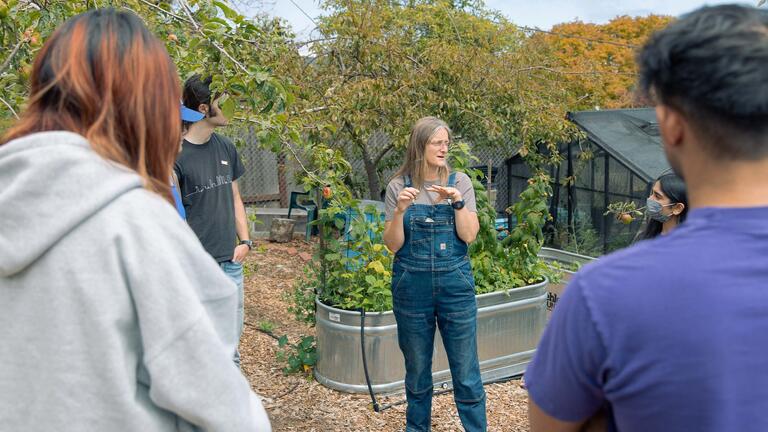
(432, 282)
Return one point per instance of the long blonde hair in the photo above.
(415, 164)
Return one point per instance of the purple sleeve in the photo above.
(564, 376)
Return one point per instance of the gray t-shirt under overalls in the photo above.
(463, 184)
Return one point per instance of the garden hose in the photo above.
(376, 407)
(379, 408)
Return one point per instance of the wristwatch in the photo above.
(458, 205)
(248, 243)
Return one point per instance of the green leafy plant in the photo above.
(300, 356)
(581, 238)
(512, 262)
(266, 326)
(352, 269)
(526, 238)
(254, 219)
(250, 268)
(301, 298)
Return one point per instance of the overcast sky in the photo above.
(543, 14)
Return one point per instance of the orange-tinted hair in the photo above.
(103, 75)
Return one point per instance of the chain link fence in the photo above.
(260, 185)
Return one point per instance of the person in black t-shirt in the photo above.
(207, 169)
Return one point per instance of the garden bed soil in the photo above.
(298, 403)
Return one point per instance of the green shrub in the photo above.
(353, 271)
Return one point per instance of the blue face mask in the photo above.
(653, 210)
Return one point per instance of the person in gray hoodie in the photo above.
(110, 309)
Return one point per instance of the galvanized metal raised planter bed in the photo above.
(555, 290)
(509, 325)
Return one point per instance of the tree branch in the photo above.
(455, 29)
(7, 61)
(351, 130)
(307, 42)
(384, 151)
(169, 13)
(9, 107)
(293, 153)
(571, 36)
(188, 11)
(303, 168)
(34, 3)
(315, 109)
(563, 72)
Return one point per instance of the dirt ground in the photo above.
(297, 403)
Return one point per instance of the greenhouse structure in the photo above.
(617, 161)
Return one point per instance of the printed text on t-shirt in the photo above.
(220, 180)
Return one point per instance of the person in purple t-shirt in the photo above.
(672, 333)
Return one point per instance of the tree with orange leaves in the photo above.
(599, 59)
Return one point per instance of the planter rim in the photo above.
(564, 256)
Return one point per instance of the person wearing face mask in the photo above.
(666, 207)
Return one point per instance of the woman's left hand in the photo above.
(446, 192)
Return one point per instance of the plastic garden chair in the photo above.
(307, 205)
(502, 228)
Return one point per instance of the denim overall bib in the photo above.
(432, 284)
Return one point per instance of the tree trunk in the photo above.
(281, 183)
(375, 163)
(374, 187)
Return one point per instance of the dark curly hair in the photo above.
(712, 66)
